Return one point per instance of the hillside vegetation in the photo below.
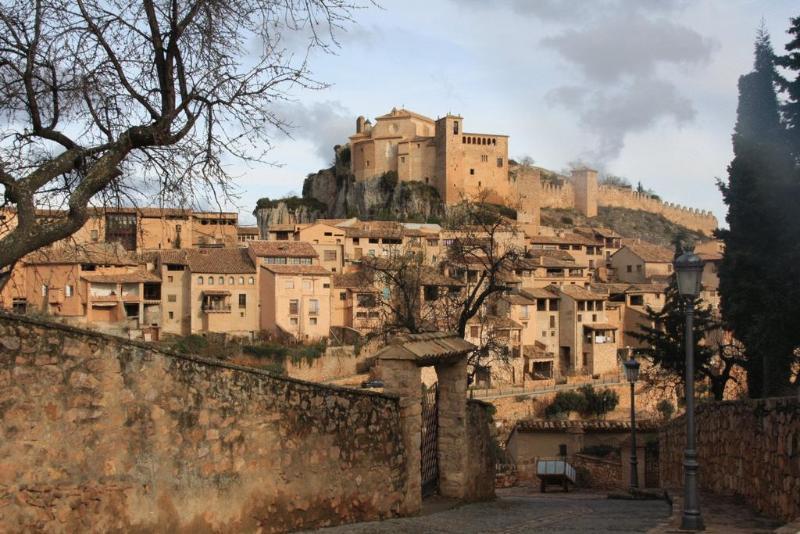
(650, 227)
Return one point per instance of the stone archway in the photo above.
(400, 366)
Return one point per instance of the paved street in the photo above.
(517, 512)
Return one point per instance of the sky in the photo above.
(644, 89)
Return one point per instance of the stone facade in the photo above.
(598, 473)
(748, 448)
(481, 444)
(99, 434)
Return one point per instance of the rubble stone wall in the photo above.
(100, 434)
(481, 445)
(749, 448)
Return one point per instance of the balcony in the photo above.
(216, 308)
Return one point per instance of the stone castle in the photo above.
(462, 165)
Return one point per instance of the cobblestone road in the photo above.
(515, 513)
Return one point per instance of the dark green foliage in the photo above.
(388, 181)
(616, 181)
(759, 271)
(564, 403)
(666, 409)
(587, 401)
(293, 203)
(280, 353)
(791, 86)
(598, 402)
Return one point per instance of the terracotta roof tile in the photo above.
(96, 253)
(219, 260)
(555, 425)
(580, 293)
(121, 278)
(283, 249)
(297, 269)
(649, 252)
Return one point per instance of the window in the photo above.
(639, 268)
(211, 280)
(472, 172)
(313, 307)
(174, 267)
(402, 159)
(455, 128)
(88, 267)
(171, 315)
(431, 293)
(231, 280)
(293, 321)
(241, 280)
(177, 228)
(552, 321)
(199, 280)
(288, 284)
(172, 298)
(242, 300)
(308, 284)
(581, 305)
(95, 235)
(594, 317)
(294, 307)
(221, 280)
(44, 290)
(541, 305)
(68, 290)
(312, 321)
(251, 280)
(484, 158)
(329, 255)
(580, 317)
(630, 268)
(328, 234)
(637, 300)
(474, 331)
(170, 279)
(499, 162)
(343, 295)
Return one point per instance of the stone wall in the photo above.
(336, 363)
(100, 434)
(481, 446)
(597, 473)
(748, 448)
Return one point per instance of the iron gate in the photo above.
(651, 476)
(429, 449)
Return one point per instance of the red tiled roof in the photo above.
(95, 253)
(297, 269)
(219, 261)
(555, 425)
(282, 249)
(650, 253)
(580, 293)
(121, 278)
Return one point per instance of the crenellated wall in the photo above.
(565, 196)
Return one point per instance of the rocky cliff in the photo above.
(334, 193)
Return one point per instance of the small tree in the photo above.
(598, 402)
(666, 409)
(564, 403)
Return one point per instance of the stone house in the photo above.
(542, 268)
(355, 302)
(638, 262)
(295, 300)
(584, 249)
(587, 341)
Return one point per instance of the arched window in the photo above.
(199, 280)
(455, 128)
(230, 280)
(241, 280)
(221, 280)
(251, 280)
(211, 280)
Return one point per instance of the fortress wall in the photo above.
(558, 196)
(691, 218)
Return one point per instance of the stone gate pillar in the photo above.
(452, 428)
(402, 377)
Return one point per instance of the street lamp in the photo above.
(689, 273)
(632, 374)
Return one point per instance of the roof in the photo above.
(539, 293)
(426, 349)
(650, 253)
(580, 293)
(647, 288)
(248, 230)
(556, 425)
(431, 277)
(402, 112)
(613, 288)
(358, 280)
(600, 326)
(219, 261)
(519, 299)
(283, 249)
(710, 256)
(297, 269)
(121, 278)
(565, 239)
(96, 253)
(598, 230)
(173, 257)
(497, 322)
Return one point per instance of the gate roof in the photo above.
(426, 349)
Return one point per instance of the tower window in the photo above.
(499, 162)
(472, 172)
(455, 128)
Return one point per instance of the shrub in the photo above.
(564, 403)
(598, 403)
(666, 409)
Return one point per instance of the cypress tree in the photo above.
(755, 275)
(790, 85)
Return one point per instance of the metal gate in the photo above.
(651, 476)
(429, 449)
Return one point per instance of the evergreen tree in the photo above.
(664, 336)
(756, 273)
(791, 86)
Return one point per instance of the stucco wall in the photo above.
(98, 434)
(749, 448)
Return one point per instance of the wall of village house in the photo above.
(237, 321)
(749, 448)
(624, 259)
(29, 281)
(175, 301)
(145, 440)
(277, 292)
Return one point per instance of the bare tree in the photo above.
(95, 92)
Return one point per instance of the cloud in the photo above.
(629, 44)
(612, 114)
(578, 10)
(324, 124)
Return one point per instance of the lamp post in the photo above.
(689, 272)
(632, 374)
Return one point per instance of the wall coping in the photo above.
(14, 318)
(753, 404)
